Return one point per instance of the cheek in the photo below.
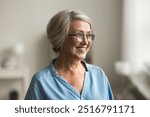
(89, 45)
(70, 46)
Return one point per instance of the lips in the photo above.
(82, 49)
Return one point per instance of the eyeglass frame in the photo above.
(82, 36)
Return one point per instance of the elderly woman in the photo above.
(69, 77)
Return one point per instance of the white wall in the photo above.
(25, 21)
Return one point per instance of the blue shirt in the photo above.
(48, 85)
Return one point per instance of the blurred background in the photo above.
(121, 47)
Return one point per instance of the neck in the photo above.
(67, 63)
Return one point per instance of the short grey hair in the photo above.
(58, 27)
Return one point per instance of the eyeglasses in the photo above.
(81, 36)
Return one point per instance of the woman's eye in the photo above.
(79, 34)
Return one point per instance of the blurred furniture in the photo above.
(131, 85)
(142, 82)
(10, 76)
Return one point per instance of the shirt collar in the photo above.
(54, 71)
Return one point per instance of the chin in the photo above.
(81, 57)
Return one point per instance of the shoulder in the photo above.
(42, 74)
(94, 68)
(96, 72)
(45, 74)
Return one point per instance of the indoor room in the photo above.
(121, 46)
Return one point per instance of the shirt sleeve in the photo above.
(34, 91)
(108, 89)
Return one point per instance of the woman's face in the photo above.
(75, 47)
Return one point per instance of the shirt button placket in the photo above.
(81, 98)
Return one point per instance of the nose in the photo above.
(85, 40)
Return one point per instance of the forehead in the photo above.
(79, 25)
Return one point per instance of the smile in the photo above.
(82, 49)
